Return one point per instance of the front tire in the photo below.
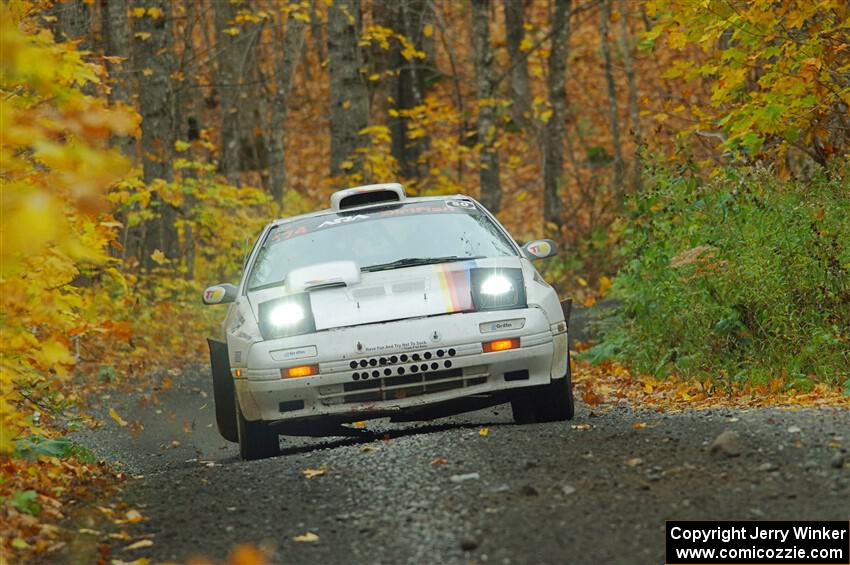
(553, 402)
(257, 440)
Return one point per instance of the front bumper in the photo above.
(382, 369)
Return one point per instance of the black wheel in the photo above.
(555, 402)
(256, 439)
(224, 393)
(548, 403)
(522, 406)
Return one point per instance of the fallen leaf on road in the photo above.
(464, 477)
(640, 426)
(309, 537)
(246, 554)
(139, 544)
(188, 427)
(581, 426)
(118, 419)
(359, 424)
(483, 432)
(368, 448)
(139, 561)
(634, 461)
(439, 461)
(311, 473)
(591, 398)
(89, 531)
(134, 516)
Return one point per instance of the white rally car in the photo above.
(386, 306)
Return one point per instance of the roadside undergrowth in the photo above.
(610, 383)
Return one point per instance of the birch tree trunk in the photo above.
(555, 129)
(292, 43)
(514, 33)
(349, 97)
(153, 58)
(491, 190)
(604, 19)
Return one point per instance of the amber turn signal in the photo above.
(301, 371)
(501, 345)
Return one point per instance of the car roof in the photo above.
(347, 211)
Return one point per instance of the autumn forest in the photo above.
(689, 158)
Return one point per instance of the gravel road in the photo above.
(544, 493)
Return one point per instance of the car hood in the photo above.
(381, 296)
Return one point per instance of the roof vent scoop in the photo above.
(368, 194)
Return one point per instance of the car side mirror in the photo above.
(539, 249)
(220, 294)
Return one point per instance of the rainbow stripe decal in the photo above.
(454, 283)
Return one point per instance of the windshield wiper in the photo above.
(415, 262)
(267, 285)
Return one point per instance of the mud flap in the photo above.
(224, 392)
(567, 309)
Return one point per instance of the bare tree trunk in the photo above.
(72, 23)
(284, 75)
(514, 32)
(555, 129)
(317, 35)
(243, 146)
(116, 44)
(491, 190)
(349, 112)
(406, 86)
(462, 126)
(227, 84)
(153, 56)
(634, 110)
(604, 18)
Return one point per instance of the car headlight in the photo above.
(497, 289)
(286, 314)
(286, 317)
(496, 285)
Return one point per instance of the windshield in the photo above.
(395, 236)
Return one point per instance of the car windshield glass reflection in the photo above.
(395, 236)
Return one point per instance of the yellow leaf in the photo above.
(375, 76)
(232, 31)
(308, 537)
(138, 12)
(526, 44)
(143, 35)
(118, 419)
(155, 13)
(133, 516)
(312, 473)
(147, 72)
(140, 544)
(428, 30)
(159, 257)
(346, 165)
(483, 432)
(634, 461)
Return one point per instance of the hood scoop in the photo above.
(323, 275)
